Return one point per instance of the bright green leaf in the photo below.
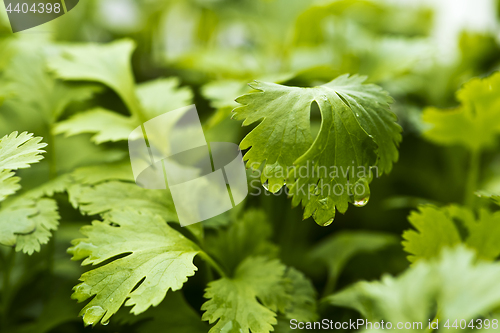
(476, 123)
(437, 228)
(246, 302)
(358, 131)
(8, 184)
(157, 259)
(19, 151)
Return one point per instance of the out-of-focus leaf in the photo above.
(476, 123)
(462, 287)
(108, 64)
(437, 228)
(107, 125)
(338, 249)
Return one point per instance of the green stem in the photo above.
(6, 288)
(52, 153)
(330, 284)
(472, 178)
(212, 263)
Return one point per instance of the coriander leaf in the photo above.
(247, 236)
(181, 318)
(95, 174)
(34, 90)
(157, 258)
(163, 95)
(437, 228)
(461, 286)
(476, 123)
(8, 184)
(107, 125)
(156, 98)
(108, 64)
(358, 131)
(405, 298)
(248, 300)
(14, 221)
(347, 244)
(115, 195)
(19, 151)
(45, 220)
(302, 300)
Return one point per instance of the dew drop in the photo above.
(324, 201)
(93, 314)
(327, 223)
(362, 202)
(105, 323)
(266, 185)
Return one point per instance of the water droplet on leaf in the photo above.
(362, 202)
(266, 185)
(327, 223)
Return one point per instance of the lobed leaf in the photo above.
(246, 302)
(358, 132)
(437, 228)
(461, 286)
(475, 123)
(147, 258)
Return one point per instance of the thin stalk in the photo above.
(51, 153)
(6, 288)
(330, 284)
(212, 263)
(472, 177)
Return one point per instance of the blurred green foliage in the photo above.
(58, 83)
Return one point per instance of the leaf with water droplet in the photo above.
(358, 131)
(158, 259)
(361, 193)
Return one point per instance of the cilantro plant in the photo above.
(333, 103)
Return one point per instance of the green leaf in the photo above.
(45, 220)
(462, 288)
(247, 301)
(247, 236)
(116, 195)
(358, 131)
(302, 301)
(107, 64)
(338, 249)
(107, 125)
(19, 151)
(14, 221)
(156, 98)
(153, 258)
(34, 91)
(437, 228)
(173, 314)
(8, 184)
(476, 123)
(163, 95)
